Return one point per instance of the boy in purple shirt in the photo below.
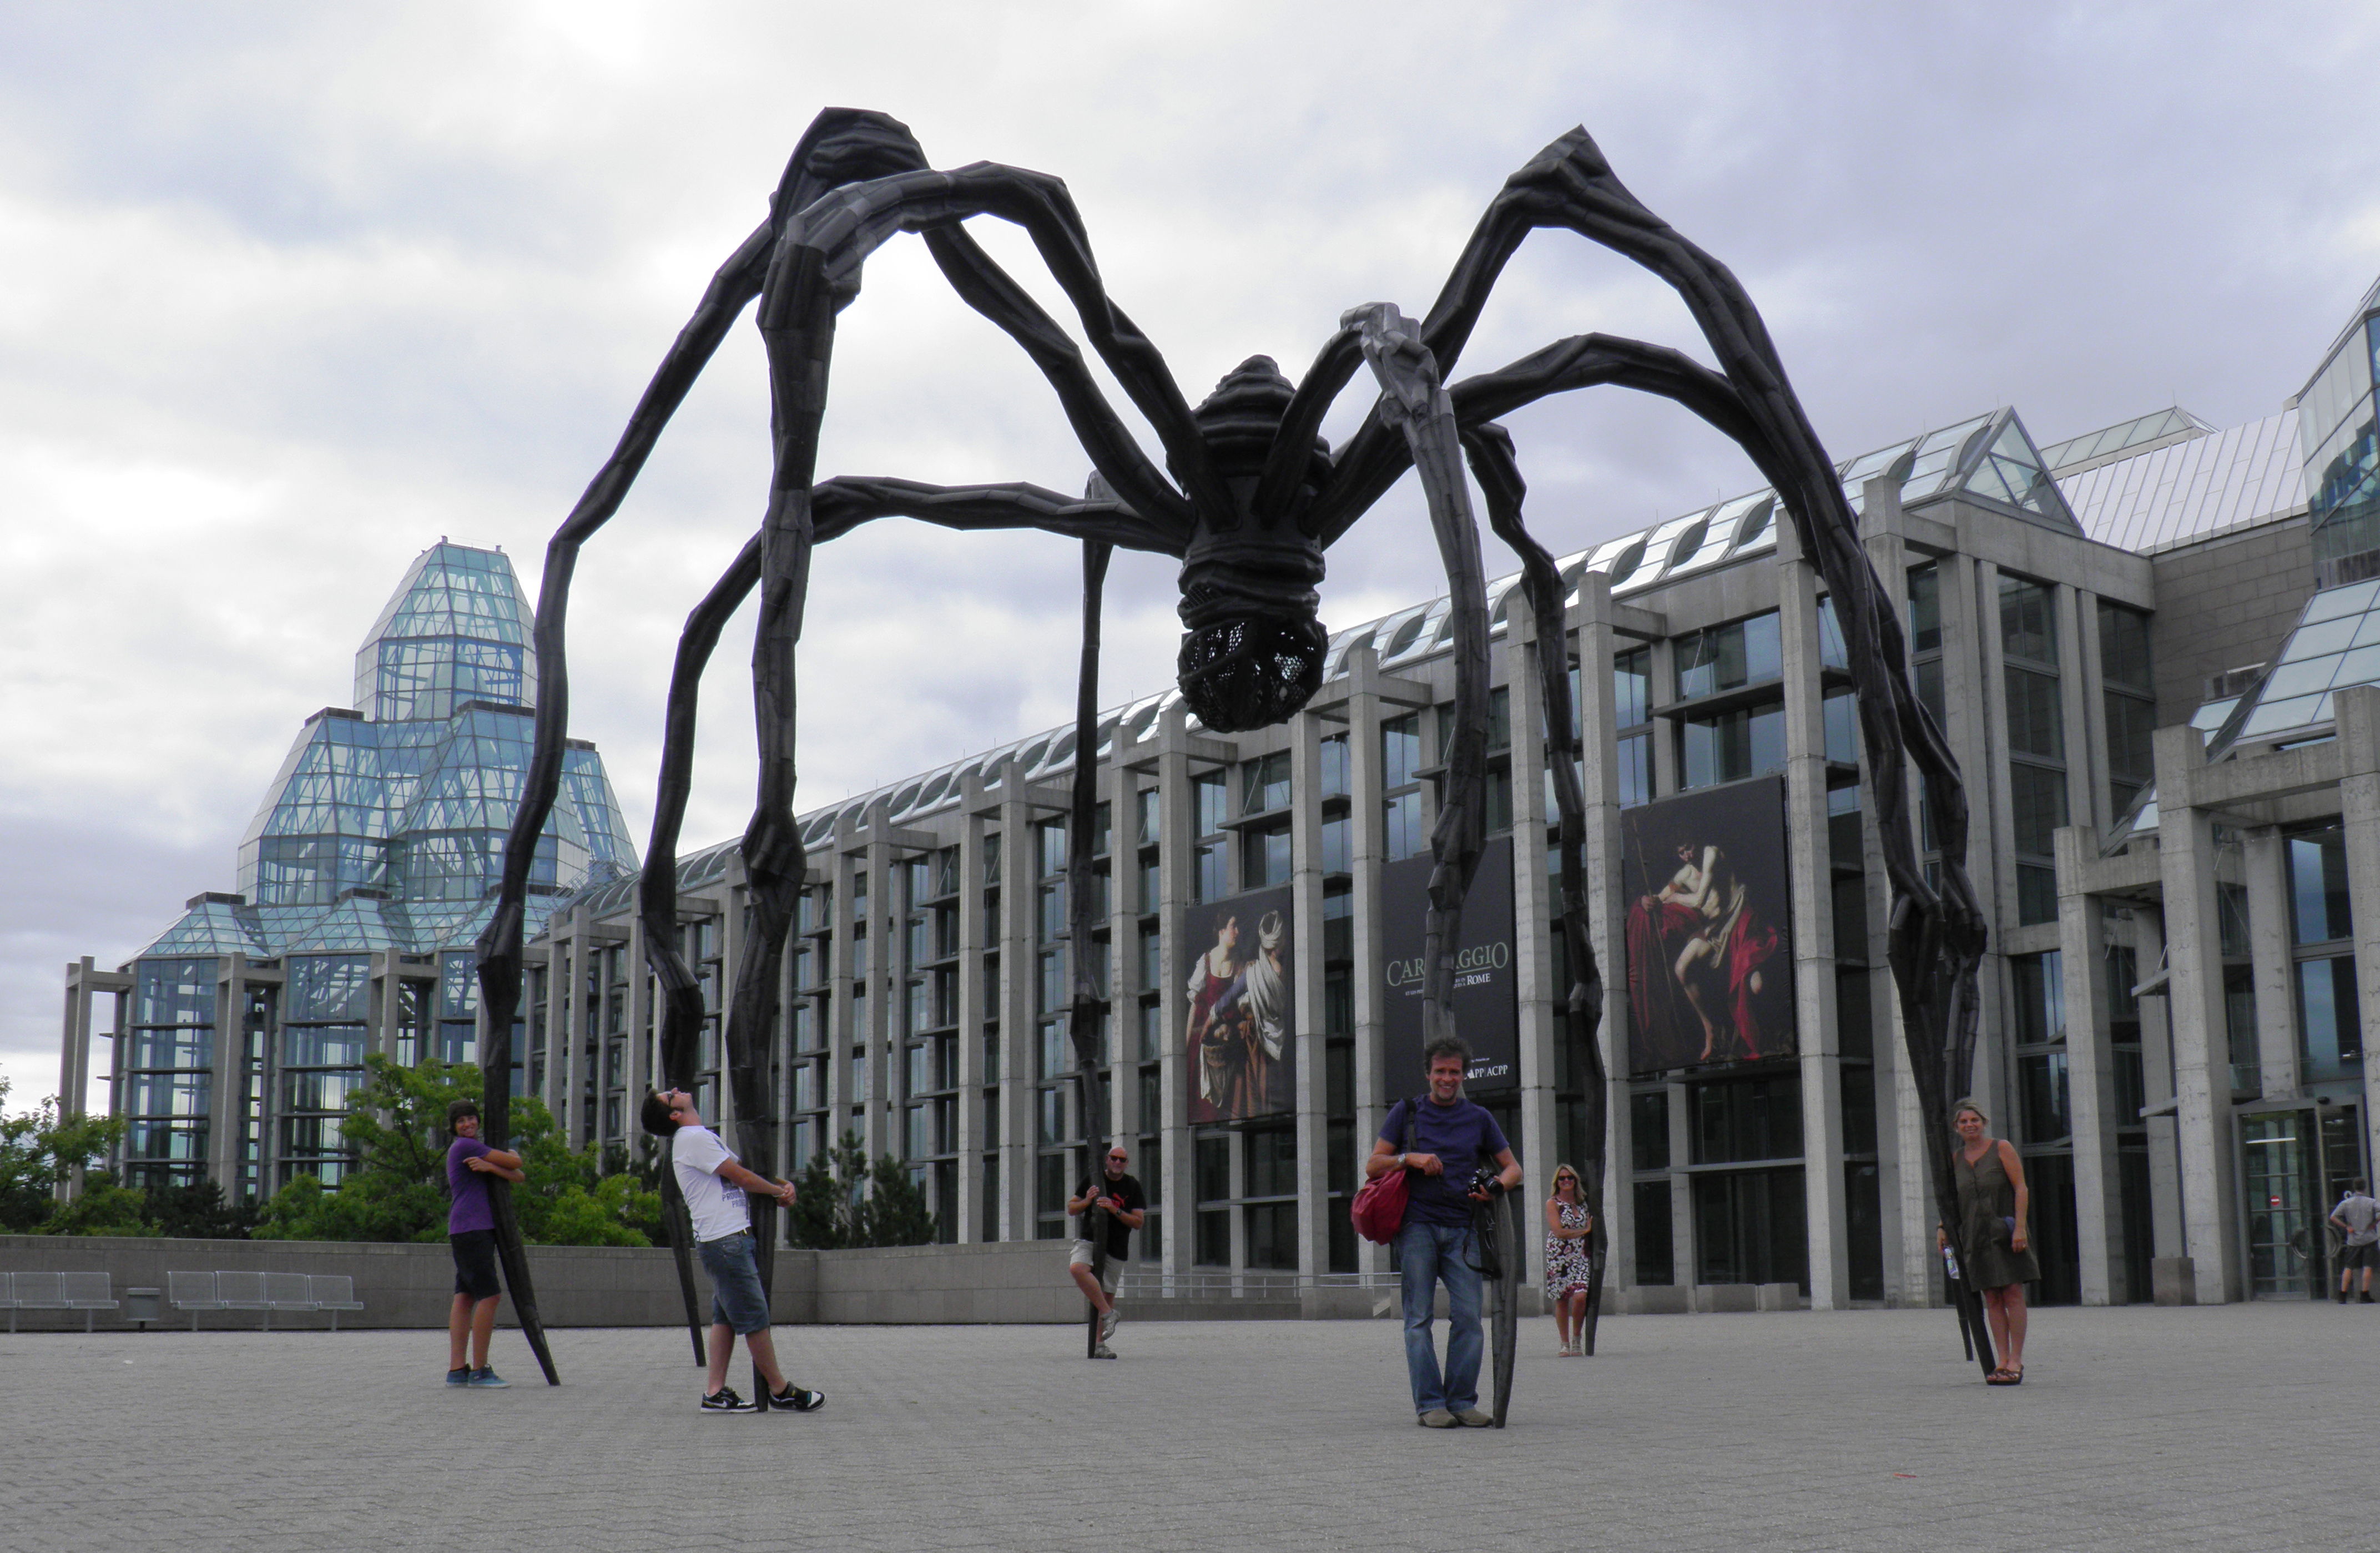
(471, 1229)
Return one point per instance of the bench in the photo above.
(265, 1292)
(85, 1291)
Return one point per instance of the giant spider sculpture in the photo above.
(1249, 500)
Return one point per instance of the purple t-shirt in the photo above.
(468, 1188)
(1463, 1137)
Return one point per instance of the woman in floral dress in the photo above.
(1569, 1222)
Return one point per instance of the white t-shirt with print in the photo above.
(719, 1210)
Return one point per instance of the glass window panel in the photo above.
(2124, 646)
(2305, 676)
(1399, 751)
(2037, 805)
(2330, 1034)
(1631, 679)
(2359, 666)
(2040, 997)
(2277, 716)
(2028, 625)
(2035, 724)
(2325, 637)
(2320, 912)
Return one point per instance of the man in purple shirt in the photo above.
(471, 1229)
(1440, 1140)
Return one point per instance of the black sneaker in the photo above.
(797, 1399)
(2365, 1298)
(725, 1400)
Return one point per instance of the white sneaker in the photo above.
(1107, 1323)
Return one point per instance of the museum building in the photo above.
(363, 879)
(2174, 827)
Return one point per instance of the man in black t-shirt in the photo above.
(1125, 1202)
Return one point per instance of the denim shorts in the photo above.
(736, 1298)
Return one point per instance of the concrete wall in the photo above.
(2225, 603)
(579, 1286)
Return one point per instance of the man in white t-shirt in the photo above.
(714, 1186)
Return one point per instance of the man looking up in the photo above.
(714, 1183)
(471, 1231)
(1449, 1139)
(1125, 1202)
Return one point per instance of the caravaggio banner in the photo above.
(1487, 997)
(1710, 952)
(1241, 1045)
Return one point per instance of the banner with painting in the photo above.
(1710, 961)
(1241, 1045)
(1487, 1004)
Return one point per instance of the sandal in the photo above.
(2015, 1375)
(1999, 1378)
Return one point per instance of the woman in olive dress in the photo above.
(1994, 1253)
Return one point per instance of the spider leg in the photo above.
(1376, 457)
(1413, 402)
(848, 224)
(1937, 933)
(989, 290)
(840, 144)
(1083, 1015)
(1491, 451)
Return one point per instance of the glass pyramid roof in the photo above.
(385, 826)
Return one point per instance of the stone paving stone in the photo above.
(2221, 1427)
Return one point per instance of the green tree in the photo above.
(41, 1148)
(841, 1200)
(196, 1211)
(396, 1189)
(103, 1207)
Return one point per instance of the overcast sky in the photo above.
(288, 292)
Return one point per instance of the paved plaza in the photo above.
(2231, 1427)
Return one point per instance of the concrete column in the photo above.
(1906, 1213)
(227, 1085)
(561, 970)
(1590, 618)
(2357, 711)
(641, 1059)
(1534, 981)
(733, 914)
(2265, 862)
(2202, 1055)
(2156, 1081)
(1992, 828)
(1374, 1091)
(2078, 703)
(973, 1073)
(1019, 1031)
(1811, 871)
(1306, 977)
(1177, 825)
(2090, 1074)
(884, 1034)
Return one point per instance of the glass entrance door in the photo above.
(2279, 1177)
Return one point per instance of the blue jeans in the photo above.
(736, 1299)
(1425, 1254)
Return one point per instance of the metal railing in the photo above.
(1253, 1283)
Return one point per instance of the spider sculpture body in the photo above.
(1249, 500)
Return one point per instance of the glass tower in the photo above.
(383, 834)
(2341, 436)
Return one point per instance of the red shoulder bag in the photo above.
(1379, 1210)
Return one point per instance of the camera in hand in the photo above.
(1487, 1180)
